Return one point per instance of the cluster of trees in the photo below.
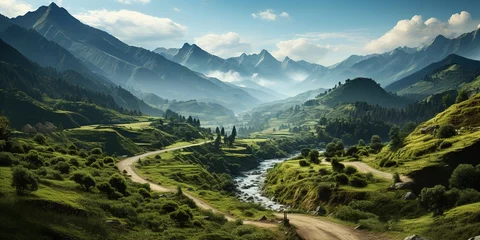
(297, 129)
(246, 131)
(176, 117)
(464, 189)
(351, 130)
(227, 139)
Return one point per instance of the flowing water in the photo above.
(251, 182)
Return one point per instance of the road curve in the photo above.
(365, 168)
(308, 227)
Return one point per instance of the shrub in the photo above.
(323, 171)
(351, 151)
(361, 143)
(108, 160)
(341, 178)
(350, 170)
(74, 162)
(305, 152)
(83, 153)
(72, 147)
(40, 139)
(446, 131)
(434, 199)
(144, 192)
(390, 163)
(349, 214)
(105, 187)
(396, 178)
(445, 144)
(313, 156)
(91, 160)
(96, 165)
(56, 160)
(118, 182)
(6, 159)
(336, 166)
(33, 158)
(23, 180)
(42, 171)
(169, 206)
(357, 181)
(182, 216)
(63, 167)
(57, 176)
(468, 196)
(96, 151)
(465, 176)
(303, 163)
(85, 180)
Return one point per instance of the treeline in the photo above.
(351, 130)
(171, 115)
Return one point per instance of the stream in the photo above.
(250, 185)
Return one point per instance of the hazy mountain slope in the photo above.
(397, 64)
(438, 77)
(361, 90)
(126, 65)
(167, 53)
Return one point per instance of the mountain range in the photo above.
(129, 66)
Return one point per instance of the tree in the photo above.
(465, 176)
(23, 180)
(118, 182)
(5, 130)
(361, 143)
(218, 142)
(330, 150)
(434, 199)
(222, 132)
(446, 100)
(314, 154)
(336, 166)
(182, 215)
(233, 136)
(323, 121)
(395, 139)
(376, 143)
(217, 131)
(462, 96)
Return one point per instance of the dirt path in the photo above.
(365, 168)
(308, 227)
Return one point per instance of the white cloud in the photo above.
(134, 27)
(415, 31)
(13, 8)
(269, 15)
(133, 1)
(176, 9)
(301, 49)
(223, 45)
(230, 76)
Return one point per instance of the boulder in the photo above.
(409, 196)
(113, 222)
(415, 237)
(475, 238)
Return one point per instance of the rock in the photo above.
(415, 237)
(429, 129)
(359, 227)
(400, 185)
(320, 211)
(206, 217)
(475, 238)
(113, 222)
(409, 196)
(263, 218)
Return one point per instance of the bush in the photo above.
(182, 216)
(105, 187)
(465, 176)
(6, 159)
(351, 151)
(56, 160)
(72, 147)
(108, 160)
(303, 163)
(305, 152)
(118, 182)
(144, 192)
(63, 167)
(169, 206)
(349, 214)
(96, 151)
(341, 178)
(350, 170)
(446, 131)
(396, 178)
(357, 181)
(96, 165)
(445, 144)
(33, 158)
(91, 160)
(390, 163)
(313, 156)
(468, 196)
(40, 139)
(323, 171)
(336, 166)
(74, 162)
(85, 180)
(434, 199)
(23, 180)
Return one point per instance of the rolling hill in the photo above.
(449, 74)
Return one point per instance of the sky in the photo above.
(318, 31)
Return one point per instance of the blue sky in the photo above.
(324, 32)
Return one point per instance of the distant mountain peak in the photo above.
(53, 5)
(186, 45)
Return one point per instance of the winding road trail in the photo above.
(308, 227)
(365, 168)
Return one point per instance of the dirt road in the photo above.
(365, 168)
(308, 227)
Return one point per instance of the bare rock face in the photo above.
(415, 237)
(400, 185)
(409, 196)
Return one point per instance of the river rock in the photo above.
(475, 238)
(409, 196)
(415, 237)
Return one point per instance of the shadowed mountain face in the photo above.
(130, 66)
(448, 74)
(392, 66)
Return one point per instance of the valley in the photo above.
(225, 138)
